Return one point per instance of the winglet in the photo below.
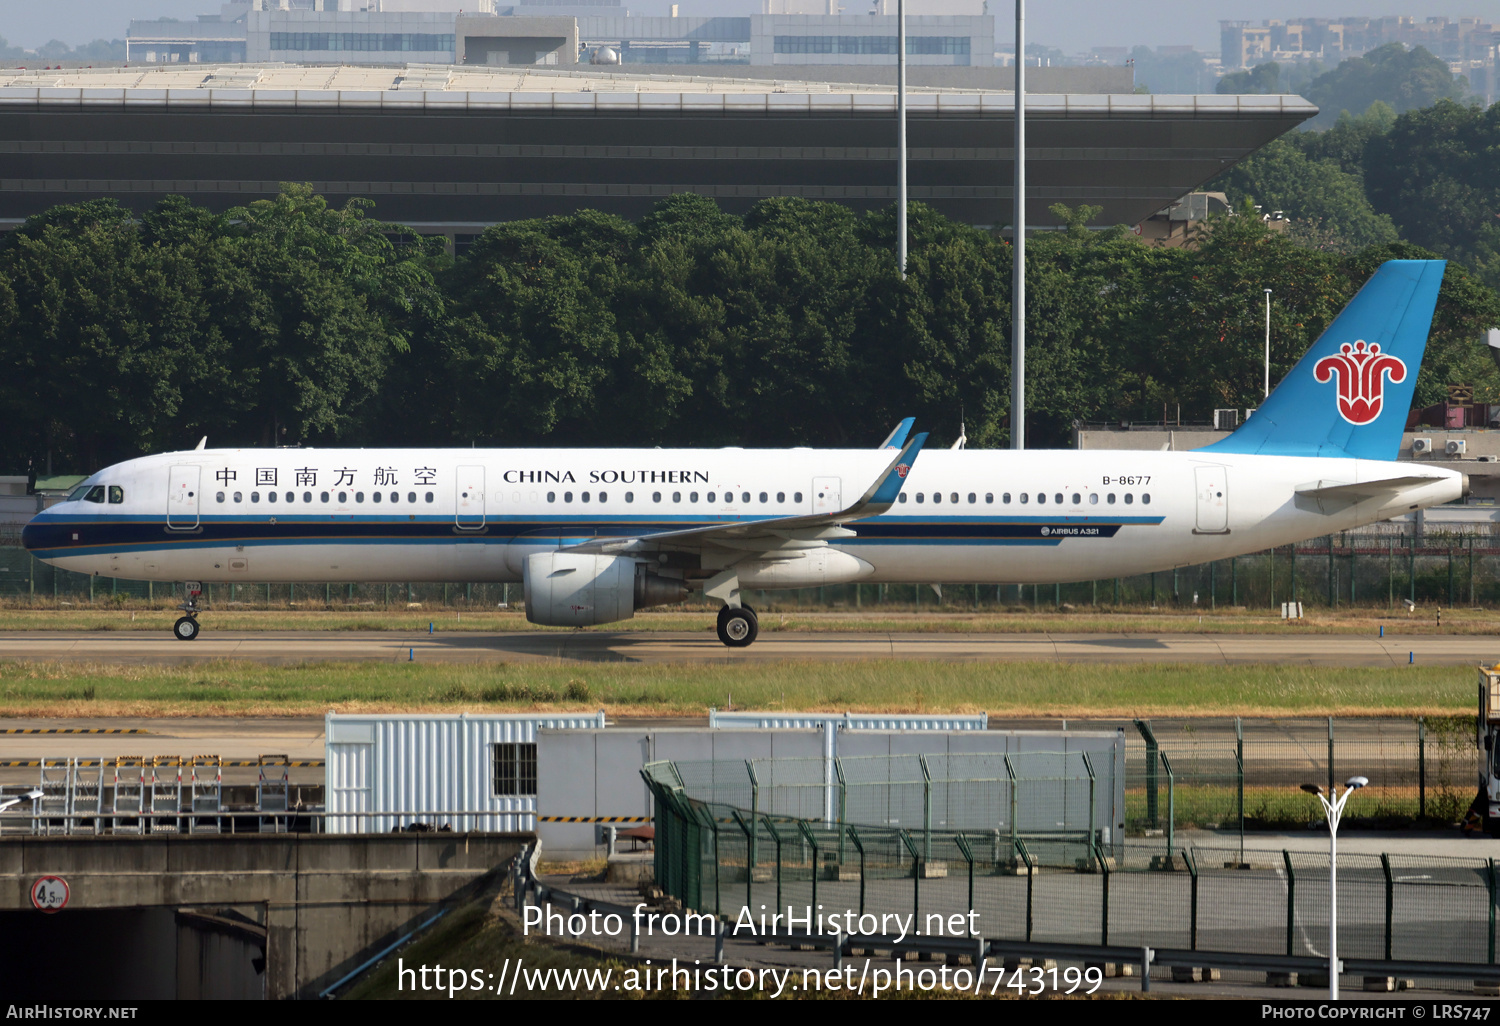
(884, 492)
(897, 438)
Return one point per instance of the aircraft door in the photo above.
(469, 496)
(182, 497)
(1213, 500)
(826, 495)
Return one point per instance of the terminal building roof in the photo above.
(449, 149)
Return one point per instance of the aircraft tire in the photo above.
(185, 629)
(738, 627)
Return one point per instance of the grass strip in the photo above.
(1022, 689)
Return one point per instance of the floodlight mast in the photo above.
(901, 136)
(1018, 251)
(1334, 811)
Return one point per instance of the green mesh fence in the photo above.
(719, 857)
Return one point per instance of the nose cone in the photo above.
(31, 534)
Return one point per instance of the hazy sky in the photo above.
(1070, 25)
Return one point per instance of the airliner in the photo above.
(597, 534)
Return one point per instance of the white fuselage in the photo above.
(968, 516)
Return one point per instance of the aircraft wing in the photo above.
(801, 531)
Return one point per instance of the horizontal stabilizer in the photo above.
(1364, 489)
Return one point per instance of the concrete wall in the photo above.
(326, 903)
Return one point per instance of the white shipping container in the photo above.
(467, 772)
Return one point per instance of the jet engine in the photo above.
(570, 590)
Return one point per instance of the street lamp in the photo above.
(1333, 808)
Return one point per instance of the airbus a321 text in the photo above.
(596, 534)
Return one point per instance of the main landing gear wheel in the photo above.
(738, 627)
(185, 629)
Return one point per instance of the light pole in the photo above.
(1267, 393)
(901, 136)
(1018, 251)
(1333, 809)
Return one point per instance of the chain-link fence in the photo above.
(1246, 774)
(732, 861)
(1379, 567)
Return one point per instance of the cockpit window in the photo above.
(116, 495)
(95, 494)
(79, 492)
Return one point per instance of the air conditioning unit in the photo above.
(1226, 420)
(1456, 446)
(1421, 445)
(1248, 412)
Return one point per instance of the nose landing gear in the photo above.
(186, 628)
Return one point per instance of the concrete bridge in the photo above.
(232, 915)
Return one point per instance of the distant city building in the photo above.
(1467, 44)
(387, 32)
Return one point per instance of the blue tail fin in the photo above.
(1349, 395)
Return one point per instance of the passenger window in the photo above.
(603, 496)
(1005, 498)
(239, 496)
(656, 496)
(323, 498)
(270, 496)
(1025, 498)
(567, 496)
(343, 498)
(692, 497)
(901, 497)
(763, 497)
(989, 498)
(953, 498)
(551, 496)
(1041, 498)
(920, 498)
(117, 495)
(728, 496)
(745, 497)
(255, 496)
(395, 496)
(1110, 498)
(973, 498)
(290, 496)
(375, 496)
(411, 496)
(630, 496)
(1129, 498)
(797, 497)
(359, 496)
(1077, 499)
(1145, 498)
(1093, 498)
(1057, 498)
(96, 494)
(584, 496)
(307, 496)
(219, 496)
(781, 497)
(429, 496)
(937, 496)
(676, 496)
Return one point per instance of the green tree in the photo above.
(1313, 193)
(1404, 79)
(1434, 174)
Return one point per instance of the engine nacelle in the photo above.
(569, 590)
